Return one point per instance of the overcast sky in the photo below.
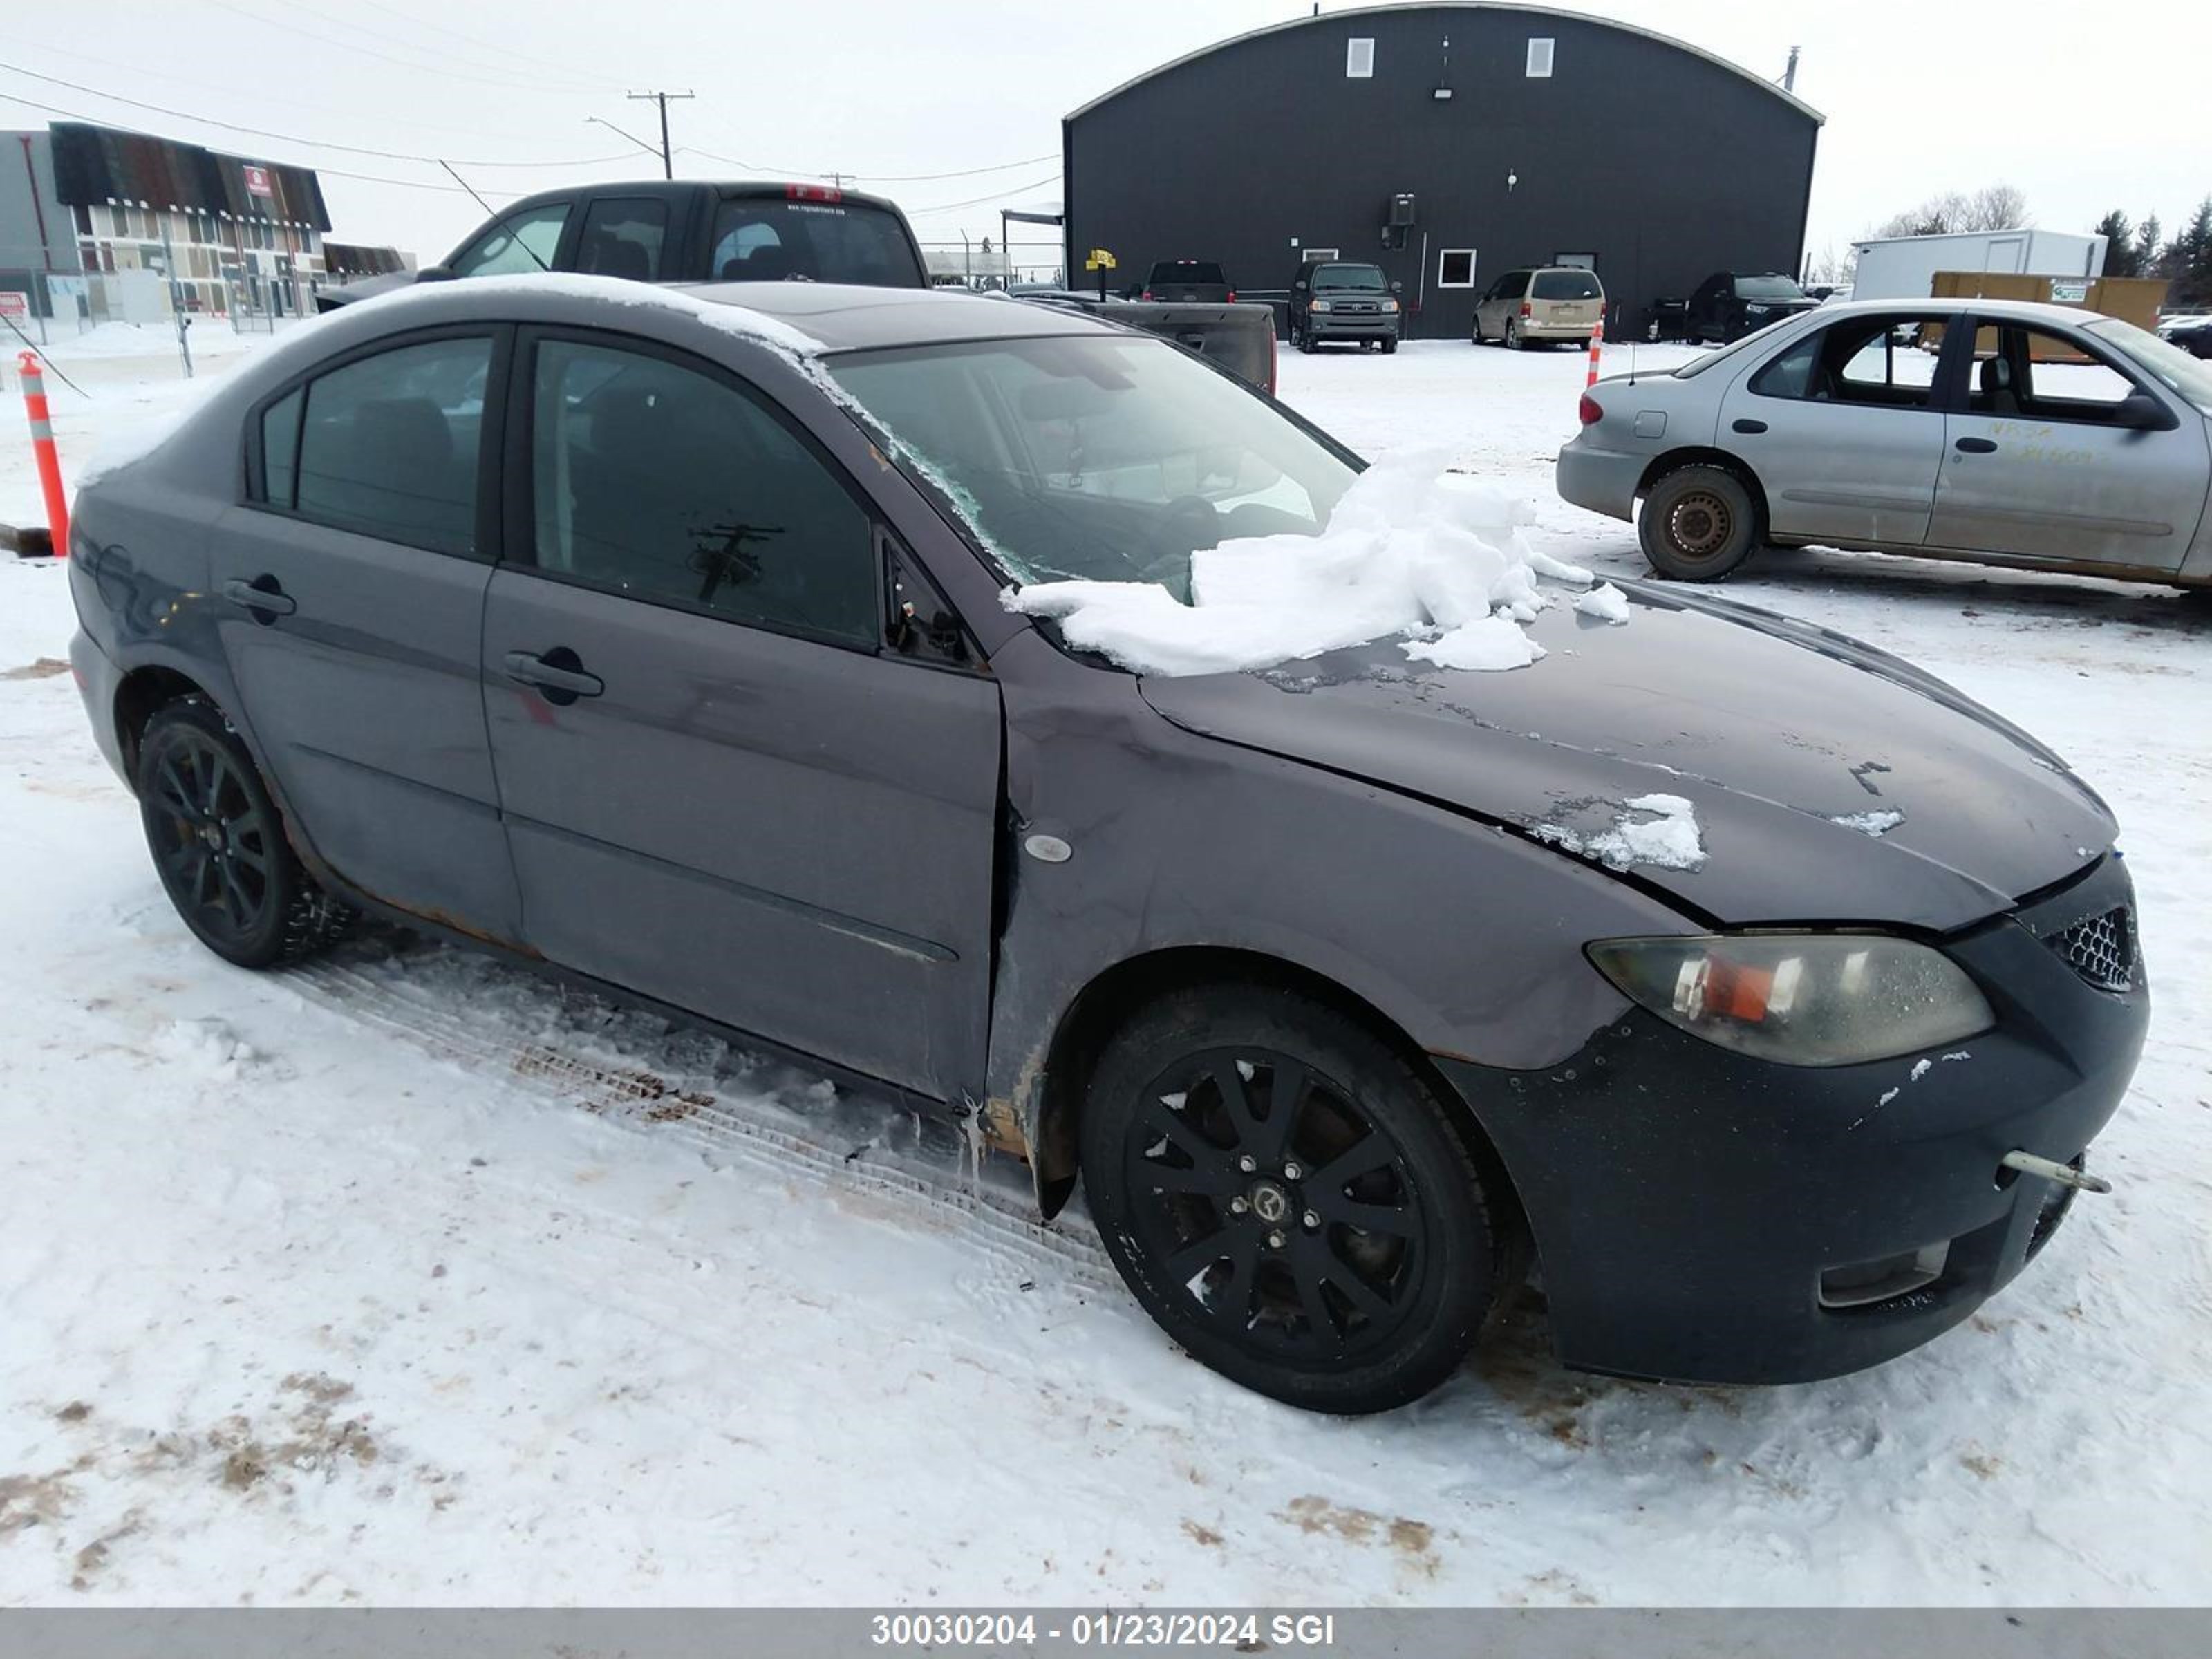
(2083, 110)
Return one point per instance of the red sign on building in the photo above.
(256, 182)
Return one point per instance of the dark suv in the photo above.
(686, 230)
(1339, 299)
(1730, 304)
(1187, 282)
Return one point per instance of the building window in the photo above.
(1540, 57)
(1359, 58)
(1315, 255)
(1455, 268)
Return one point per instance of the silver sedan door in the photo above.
(1843, 426)
(2045, 463)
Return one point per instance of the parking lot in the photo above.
(404, 1278)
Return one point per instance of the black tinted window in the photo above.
(760, 238)
(1187, 271)
(1767, 287)
(389, 446)
(279, 449)
(623, 238)
(524, 242)
(1566, 285)
(667, 484)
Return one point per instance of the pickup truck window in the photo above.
(623, 237)
(764, 238)
(523, 243)
(1100, 458)
(1363, 276)
(1202, 272)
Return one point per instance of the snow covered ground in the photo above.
(406, 1279)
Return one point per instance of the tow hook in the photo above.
(2064, 1173)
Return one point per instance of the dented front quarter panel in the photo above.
(1467, 938)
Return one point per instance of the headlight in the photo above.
(1319, 305)
(1800, 998)
(1389, 304)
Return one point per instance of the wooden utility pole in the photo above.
(668, 155)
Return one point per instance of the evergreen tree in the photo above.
(2148, 247)
(2120, 250)
(2191, 259)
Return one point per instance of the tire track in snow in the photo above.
(848, 1143)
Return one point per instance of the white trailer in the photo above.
(1903, 267)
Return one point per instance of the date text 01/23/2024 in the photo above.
(1237, 1631)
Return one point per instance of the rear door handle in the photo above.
(1748, 425)
(559, 674)
(1975, 446)
(261, 597)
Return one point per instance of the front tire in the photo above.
(1287, 1198)
(1390, 346)
(219, 846)
(1698, 524)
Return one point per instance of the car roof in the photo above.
(726, 188)
(840, 317)
(2025, 311)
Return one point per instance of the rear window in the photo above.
(1189, 270)
(760, 238)
(1767, 287)
(1565, 285)
(1349, 277)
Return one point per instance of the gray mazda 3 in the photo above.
(655, 640)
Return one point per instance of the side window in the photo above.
(2043, 375)
(667, 484)
(389, 445)
(623, 238)
(1869, 361)
(524, 242)
(279, 449)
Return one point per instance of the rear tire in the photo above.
(219, 846)
(1351, 1266)
(1698, 524)
(1513, 340)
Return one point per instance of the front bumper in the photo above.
(1351, 328)
(1699, 1214)
(1603, 480)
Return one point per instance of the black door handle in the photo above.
(1748, 425)
(1975, 446)
(262, 598)
(558, 674)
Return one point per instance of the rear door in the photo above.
(352, 585)
(720, 789)
(1566, 299)
(1844, 427)
(2039, 466)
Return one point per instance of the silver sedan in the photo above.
(2000, 432)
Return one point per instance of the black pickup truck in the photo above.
(685, 230)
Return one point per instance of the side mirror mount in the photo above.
(434, 274)
(2141, 412)
(1397, 288)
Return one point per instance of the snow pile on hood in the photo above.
(1409, 550)
(1656, 829)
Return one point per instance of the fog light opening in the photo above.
(1865, 1282)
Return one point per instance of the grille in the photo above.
(2101, 948)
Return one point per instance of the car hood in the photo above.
(1831, 782)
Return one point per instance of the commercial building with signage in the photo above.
(1449, 143)
(101, 224)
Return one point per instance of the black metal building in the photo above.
(1449, 143)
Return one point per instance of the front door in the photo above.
(1844, 429)
(351, 592)
(2039, 465)
(719, 789)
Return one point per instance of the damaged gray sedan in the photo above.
(655, 640)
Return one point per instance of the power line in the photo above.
(292, 137)
(322, 39)
(668, 155)
(335, 172)
(472, 39)
(978, 201)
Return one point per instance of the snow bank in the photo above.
(1408, 550)
(1665, 835)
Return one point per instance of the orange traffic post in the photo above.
(1597, 344)
(42, 446)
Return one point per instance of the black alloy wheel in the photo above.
(219, 846)
(1289, 1199)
